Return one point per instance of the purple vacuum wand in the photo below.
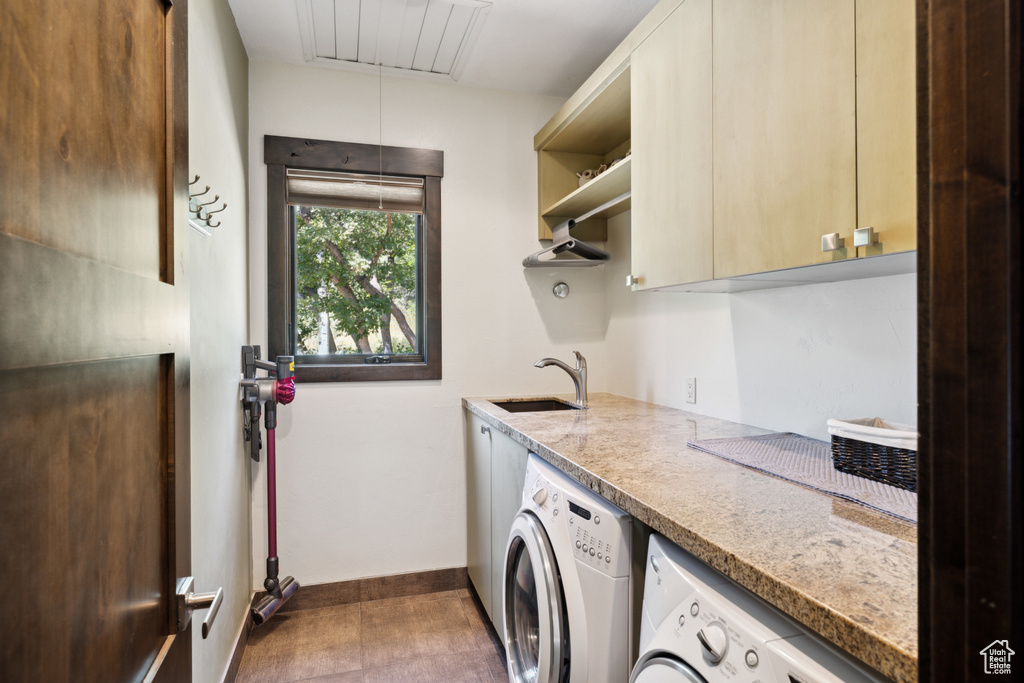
(277, 387)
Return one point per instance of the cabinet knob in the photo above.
(632, 280)
(484, 429)
(863, 237)
(832, 242)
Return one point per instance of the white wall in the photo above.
(784, 359)
(218, 271)
(371, 476)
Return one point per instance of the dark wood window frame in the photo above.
(282, 153)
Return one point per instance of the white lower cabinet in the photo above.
(495, 472)
(508, 472)
(478, 506)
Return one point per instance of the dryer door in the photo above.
(661, 667)
(536, 630)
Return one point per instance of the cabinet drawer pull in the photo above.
(863, 237)
(832, 242)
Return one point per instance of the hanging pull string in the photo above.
(380, 133)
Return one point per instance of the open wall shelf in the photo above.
(594, 132)
(605, 187)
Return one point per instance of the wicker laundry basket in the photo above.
(876, 449)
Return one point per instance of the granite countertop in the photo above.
(842, 569)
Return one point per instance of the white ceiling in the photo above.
(547, 47)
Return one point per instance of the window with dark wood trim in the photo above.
(298, 171)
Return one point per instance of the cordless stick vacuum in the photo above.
(277, 387)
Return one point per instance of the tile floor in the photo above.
(442, 636)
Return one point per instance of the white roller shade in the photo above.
(354, 191)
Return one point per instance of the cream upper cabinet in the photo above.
(785, 132)
(757, 127)
(671, 128)
(887, 124)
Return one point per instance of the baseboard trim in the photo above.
(241, 641)
(373, 588)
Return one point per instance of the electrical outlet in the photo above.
(691, 389)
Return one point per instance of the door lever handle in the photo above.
(189, 601)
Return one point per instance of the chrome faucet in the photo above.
(579, 375)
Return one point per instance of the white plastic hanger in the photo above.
(563, 242)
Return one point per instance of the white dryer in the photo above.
(567, 584)
(698, 626)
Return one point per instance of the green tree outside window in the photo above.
(356, 281)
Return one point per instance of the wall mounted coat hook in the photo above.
(201, 215)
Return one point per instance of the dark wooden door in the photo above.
(94, 503)
(971, 476)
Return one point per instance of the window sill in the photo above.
(366, 373)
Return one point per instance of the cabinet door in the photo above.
(887, 124)
(785, 132)
(478, 507)
(670, 102)
(508, 473)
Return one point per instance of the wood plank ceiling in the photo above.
(434, 36)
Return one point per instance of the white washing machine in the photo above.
(700, 627)
(567, 584)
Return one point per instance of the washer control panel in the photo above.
(720, 645)
(597, 531)
(725, 633)
(600, 548)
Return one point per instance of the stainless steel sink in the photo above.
(538, 405)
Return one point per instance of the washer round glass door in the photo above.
(536, 632)
(661, 667)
